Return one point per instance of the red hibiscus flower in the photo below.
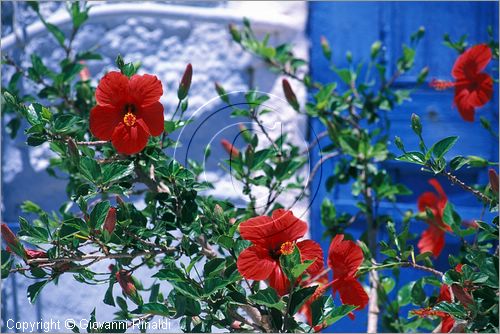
(432, 239)
(271, 237)
(447, 320)
(344, 258)
(128, 111)
(473, 87)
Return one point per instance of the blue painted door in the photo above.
(354, 26)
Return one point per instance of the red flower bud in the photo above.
(458, 268)
(233, 151)
(110, 221)
(185, 82)
(235, 33)
(35, 254)
(84, 73)
(327, 51)
(462, 295)
(493, 180)
(124, 278)
(9, 236)
(290, 95)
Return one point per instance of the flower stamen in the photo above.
(287, 248)
(441, 84)
(129, 119)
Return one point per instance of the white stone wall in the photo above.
(164, 46)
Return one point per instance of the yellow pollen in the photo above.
(287, 248)
(129, 119)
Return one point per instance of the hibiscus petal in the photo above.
(435, 183)
(344, 257)
(482, 92)
(444, 294)
(466, 110)
(113, 90)
(152, 115)
(145, 89)
(278, 281)
(311, 250)
(432, 240)
(427, 200)
(103, 121)
(480, 55)
(447, 324)
(351, 292)
(129, 139)
(271, 232)
(255, 263)
(471, 62)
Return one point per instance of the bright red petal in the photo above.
(129, 139)
(113, 90)
(103, 121)
(311, 250)
(427, 200)
(435, 183)
(351, 292)
(432, 240)
(145, 89)
(255, 263)
(480, 91)
(471, 62)
(279, 281)
(466, 110)
(271, 232)
(447, 324)
(444, 294)
(344, 257)
(152, 115)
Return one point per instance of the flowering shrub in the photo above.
(250, 268)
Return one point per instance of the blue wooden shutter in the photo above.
(355, 26)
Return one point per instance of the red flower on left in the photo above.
(272, 237)
(13, 242)
(128, 111)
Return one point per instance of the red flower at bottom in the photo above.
(432, 239)
(271, 237)
(344, 258)
(128, 111)
(447, 320)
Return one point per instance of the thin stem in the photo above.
(403, 264)
(92, 143)
(466, 187)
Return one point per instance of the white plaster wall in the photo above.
(164, 47)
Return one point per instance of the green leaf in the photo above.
(153, 308)
(337, 313)
(288, 263)
(90, 169)
(34, 290)
(55, 31)
(458, 162)
(268, 297)
(455, 310)
(440, 148)
(116, 171)
(98, 215)
(414, 157)
(299, 297)
(417, 293)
